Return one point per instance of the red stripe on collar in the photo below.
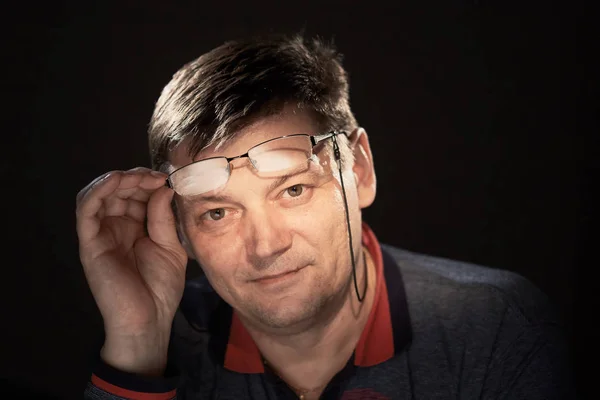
(242, 354)
(375, 345)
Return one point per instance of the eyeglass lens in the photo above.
(271, 158)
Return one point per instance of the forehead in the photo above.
(290, 121)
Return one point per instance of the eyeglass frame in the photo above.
(337, 156)
(314, 140)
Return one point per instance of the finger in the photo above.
(93, 183)
(143, 178)
(161, 221)
(91, 201)
(136, 170)
(152, 179)
(139, 183)
(117, 207)
(136, 193)
(137, 210)
(129, 179)
(147, 178)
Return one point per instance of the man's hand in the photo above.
(134, 264)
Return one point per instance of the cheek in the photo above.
(219, 258)
(324, 228)
(318, 221)
(337, 243)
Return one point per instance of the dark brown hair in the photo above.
(212, 97)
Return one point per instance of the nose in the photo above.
(267, 236)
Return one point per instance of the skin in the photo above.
(305, 323)
(279, 255)
(135, 270)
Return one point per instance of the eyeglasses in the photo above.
(274, 157)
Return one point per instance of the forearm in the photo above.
(135, 368)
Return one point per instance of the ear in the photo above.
(363, 169)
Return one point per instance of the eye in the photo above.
(295, 191)
(216, 214)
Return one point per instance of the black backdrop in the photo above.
(470, 109)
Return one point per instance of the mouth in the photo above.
(276, 278)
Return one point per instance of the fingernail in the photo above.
(158, 174)
(105, 177)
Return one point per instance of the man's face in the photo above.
(278, 254)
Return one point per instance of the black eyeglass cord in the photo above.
(338, 159)
(336, 152)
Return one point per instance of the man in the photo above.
(260, 173)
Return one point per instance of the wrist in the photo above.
(142, 354)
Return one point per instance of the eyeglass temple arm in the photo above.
(336, 149)
(319, 138)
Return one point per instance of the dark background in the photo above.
(471, 109)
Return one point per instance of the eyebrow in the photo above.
(216, 198)
(281, 180)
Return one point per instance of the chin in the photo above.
(287, 312)
(290, 305)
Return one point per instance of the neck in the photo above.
(311, 358)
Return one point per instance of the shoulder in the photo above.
(453, 289)
(482, 331)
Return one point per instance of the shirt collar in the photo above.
(386, 333)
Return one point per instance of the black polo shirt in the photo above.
(437, 329)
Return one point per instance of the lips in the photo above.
(275, 276)
(280, 278)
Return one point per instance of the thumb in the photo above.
(161, 221)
